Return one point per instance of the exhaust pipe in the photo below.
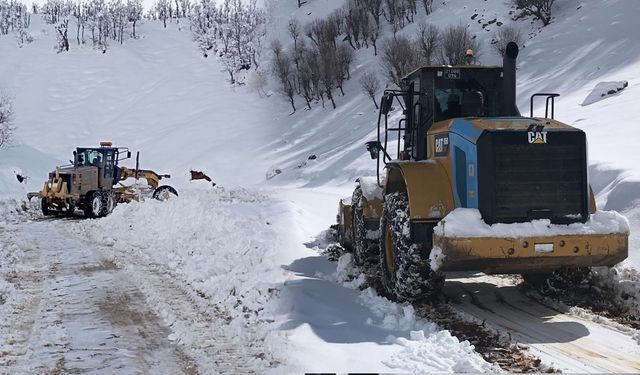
(509, 79)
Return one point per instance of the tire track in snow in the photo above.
(197, 324)
(83, 314)
(564, 341)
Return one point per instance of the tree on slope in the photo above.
(399, 57)
(6, 120)
(134, 13)
(503, 36)
(541, 9)
(370, 85)
(456, 40)
(62, 34)
(283, 70)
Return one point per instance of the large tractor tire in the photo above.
(108, 203)
(365, 240)
(93, 205)
(559, 280)
(46, 211)
(164, 192)
(406, 274)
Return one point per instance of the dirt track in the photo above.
(81, 309)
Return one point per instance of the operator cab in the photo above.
(105, 158)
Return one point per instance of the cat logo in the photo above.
(537, 137)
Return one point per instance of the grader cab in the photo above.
(469, 184)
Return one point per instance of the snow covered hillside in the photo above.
(156, 95)
(588, 42)
(230, 277)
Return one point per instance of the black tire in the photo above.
(537, 280)
(560, 280)
(365, 238)
(70, 211)
(93, 204)
(406, 274)
(108, 202)
(164, 192)
(46, 211)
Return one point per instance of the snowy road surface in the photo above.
(563, 341)
(79, 310)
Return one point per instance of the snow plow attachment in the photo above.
(463, 242)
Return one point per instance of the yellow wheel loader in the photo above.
(469, 184)
(93, 184)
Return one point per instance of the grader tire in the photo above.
(164, 193)
(365, 245)
(46, 211)
(108, 203)
(93, 205)
(406, 274)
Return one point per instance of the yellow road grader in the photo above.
(93, 182)
(469, 184)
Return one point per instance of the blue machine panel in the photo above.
(464, 155)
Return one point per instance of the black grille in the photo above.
(519, 181)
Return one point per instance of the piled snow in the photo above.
(424, 347)
(220, 242)
(436, 258)
(604, 90)
(370, 188)
(467, 222)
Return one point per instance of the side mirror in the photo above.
(374, 148)
(128, 154)
(386, 103)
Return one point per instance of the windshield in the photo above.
(86, 157)
(467, 95)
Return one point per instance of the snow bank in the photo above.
(467, 222)
(219, 241)
(423, 346)
(604, 90)
(370, 188)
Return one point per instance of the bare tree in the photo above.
(344, 58)
(294, 32)
(399, 57)
(428, 41)
(540, 9)
(62, 35)
(374, 7)
(6, 120)
(327, 60)
(370, 85)
(374, 33)
(258, 80)
(281, 65)
(456, 40)
(162, 8)
(134, 12)
(428, 6)
(394, 13)
(503, 36)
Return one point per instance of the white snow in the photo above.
(467, 222)
(159, 96)
(370, 188)
(436, 258)
(604, 90)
